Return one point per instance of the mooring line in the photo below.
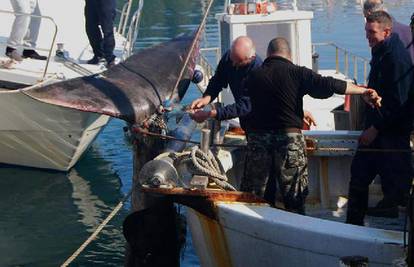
(310, 149)
(93, 236)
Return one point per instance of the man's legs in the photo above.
(363, 172)
(106, 20)
(257, 165)
(396, 172)
(33, 28)
(19, 28)
(32, 33)
(292, 171)
(92, 29)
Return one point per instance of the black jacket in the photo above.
(276, 91)
(228, 75)
(391, 76)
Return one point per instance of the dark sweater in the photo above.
(228, 75)
(391, 76)
(276, 91)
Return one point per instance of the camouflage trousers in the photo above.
(280, 156)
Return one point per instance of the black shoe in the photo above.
(95, 60)
(384, 209)
(13, 54)
(110, 62)
(30, 53)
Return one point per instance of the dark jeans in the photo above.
(394, 169)
(101, 12)
(281, 157)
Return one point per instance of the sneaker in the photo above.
(30, 53)
(13, 54)
(110, 62)
(94, 61)
(383, 209)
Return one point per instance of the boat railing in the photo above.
(345, 61)
(129, 30)
(52, 44)
(207, 55)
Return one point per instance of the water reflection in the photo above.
(46, 215)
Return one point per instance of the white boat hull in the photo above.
(253, 235)
(40, 135)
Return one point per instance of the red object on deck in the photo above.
(347, 103)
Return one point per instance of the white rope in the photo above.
(93, 236)
(206, 164)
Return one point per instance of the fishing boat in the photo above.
(237, 229)
(41, 135)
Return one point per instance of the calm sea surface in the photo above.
(45, 216)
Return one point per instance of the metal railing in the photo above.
(355, 61)
(129, 30)
(208, 70)
(49, 50)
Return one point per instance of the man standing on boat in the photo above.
(101, 13)
(403, 30)
(232, 70)
(275, 144)
(25, 30)
(389, 156)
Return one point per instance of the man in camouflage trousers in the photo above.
(285, 150)
(275, 144)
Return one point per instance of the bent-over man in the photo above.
(391, 75)
(276, 90)
(232, 70)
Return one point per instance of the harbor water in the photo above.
(45, 215)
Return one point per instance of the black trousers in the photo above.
(394, 168)
(101, 13)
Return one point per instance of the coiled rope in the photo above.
(205, 164)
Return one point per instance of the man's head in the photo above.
(378, 27)
(242, 51)
(279, 47)
(371, 6)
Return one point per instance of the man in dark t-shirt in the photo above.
(276, 92)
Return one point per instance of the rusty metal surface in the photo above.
(204, 201)
(132, 90)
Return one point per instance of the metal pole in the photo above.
(205, 140)
(355, 68)
(337, 59)
(346, 63)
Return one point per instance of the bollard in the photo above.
(205, 140)
(353, 261)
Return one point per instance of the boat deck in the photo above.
(30, 71)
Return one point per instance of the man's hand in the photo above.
(372, 98)
(201, 115)
(368, 136)
(200, 102)
(308, 118)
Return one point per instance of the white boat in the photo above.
(40, 135)
(232, 230)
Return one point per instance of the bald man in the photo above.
(275, 144)
(232, 70)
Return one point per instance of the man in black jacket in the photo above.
(232, 70)
(276, 91)
(101, 13)
(391, 75)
